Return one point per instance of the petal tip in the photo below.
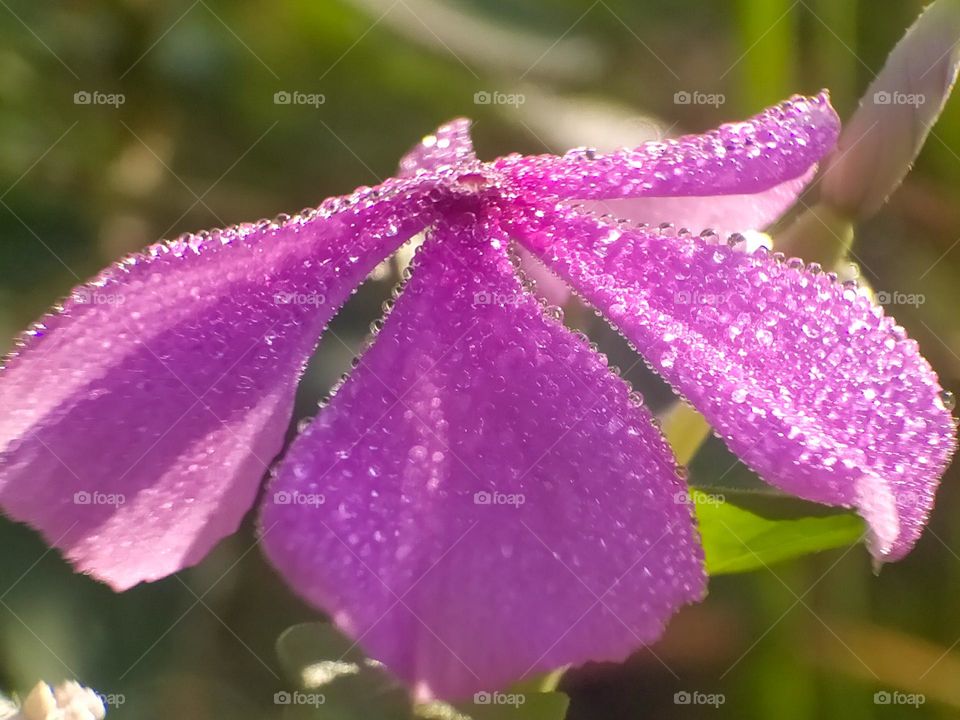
(878, 506)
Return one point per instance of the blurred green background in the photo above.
(199, 142)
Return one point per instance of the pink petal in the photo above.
(140, 418)
(469, 394)
(808, 382)
(449, 145)
(780, 144)
(723, 214)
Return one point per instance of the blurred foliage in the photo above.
(199, 141)
(338, 683)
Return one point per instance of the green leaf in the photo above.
(545, 682)
(736, 540)
(337, 682)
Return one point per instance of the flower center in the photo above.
(473, 181)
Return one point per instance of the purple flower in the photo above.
(482, 498)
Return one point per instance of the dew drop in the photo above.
(555, 313)
(764, 337)
(418, 452)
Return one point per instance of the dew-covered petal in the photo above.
(780, 144)
(723, 214)
(450, 145)
(482, 500)
(139, 420)
(808, 382)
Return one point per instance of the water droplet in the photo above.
(764, 337)
(418, 453)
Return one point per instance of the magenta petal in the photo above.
(449, 145)
(139, 420)
(808, 382)
(780, 144)
(723, 214)
(481, 500)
